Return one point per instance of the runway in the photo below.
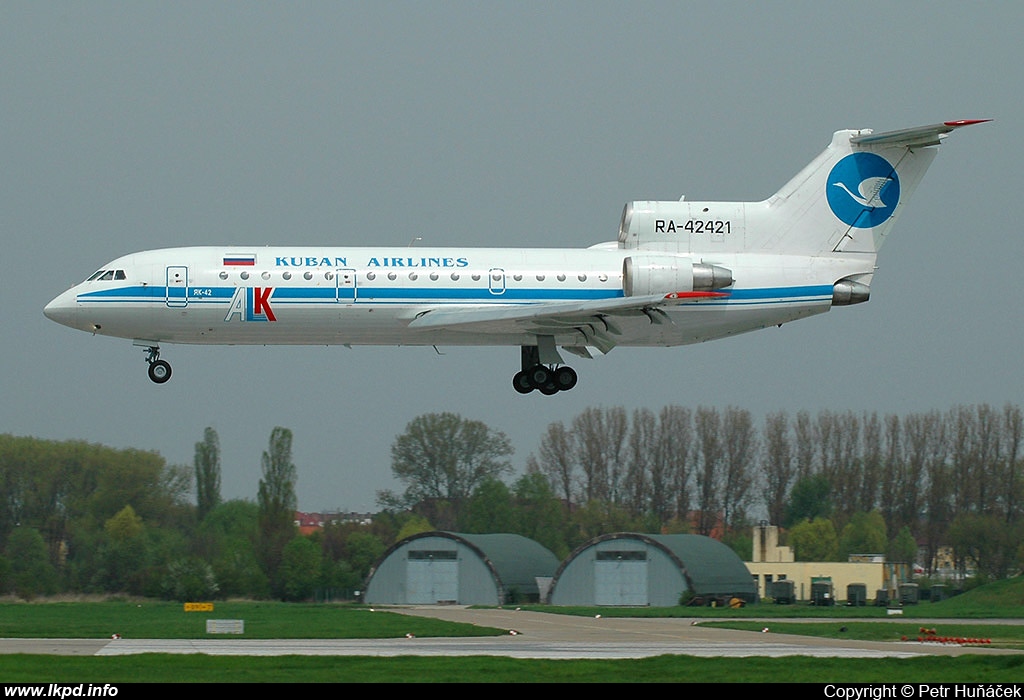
(530, 635)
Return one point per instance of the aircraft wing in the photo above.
(592, 318)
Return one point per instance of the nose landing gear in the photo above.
(159, 370)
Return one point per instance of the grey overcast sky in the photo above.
(128, 126)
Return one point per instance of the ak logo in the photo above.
(251, 304)
(863, 190)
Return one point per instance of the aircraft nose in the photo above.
(62, 309)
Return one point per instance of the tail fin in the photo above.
(845, 201)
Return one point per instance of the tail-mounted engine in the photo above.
(665, 274)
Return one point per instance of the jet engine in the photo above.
(663, 274)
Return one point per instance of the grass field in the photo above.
(966, 616)
(198, 668)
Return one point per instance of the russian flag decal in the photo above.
(244, 260)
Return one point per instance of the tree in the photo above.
(739, 457)
(672, 470)
(541, 517)
(777, 465)
(708, 429)
(903, 548)
(300, 569)
(124, 552)
(556, 461)
(809, 499)
(414, 526)
(864, 534)
(207, 464)
(229, 534)
(30, 572)
(599, 439)
(277, 505)
(488, 509)
(442, 456)
(814, 540)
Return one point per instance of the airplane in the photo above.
(680, 272)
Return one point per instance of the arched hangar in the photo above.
(464, 569)
(655, 570)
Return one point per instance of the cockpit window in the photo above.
(105, 275)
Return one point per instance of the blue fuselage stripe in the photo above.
(306, 295)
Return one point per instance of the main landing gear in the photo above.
(547, 380)
(159, 370)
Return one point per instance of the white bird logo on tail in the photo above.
(870, 189)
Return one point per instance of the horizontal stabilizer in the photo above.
(917, 136)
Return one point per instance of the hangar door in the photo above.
(620, 577)
(431, 576)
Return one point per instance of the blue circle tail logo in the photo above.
(863, 190)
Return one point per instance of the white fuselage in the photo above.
(369, 296)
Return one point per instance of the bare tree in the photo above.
(963, 455)
(670, 469)
(867, 492)
(599, 437)
(938, 503)
(1013, 434)
(842, 463)
(890, 470)
(803, 430)
(777, 465)
(641, 457)
(707, 424)
(556, 461)
(740, 448)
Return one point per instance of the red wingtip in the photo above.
(695, 295)
(966, 122)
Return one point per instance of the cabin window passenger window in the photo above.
(371, 275)
(561, 278)
(223, 275)
(517, 278)
(244, 275)
(581, 278)
(307, 275)
(476, 277)
(603, 278)
(413, 275)
(540, 278)
(329, 275)
(392, 276)
(433, 276)
(287, 275)
(455, 277)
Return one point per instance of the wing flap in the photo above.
(589, 318)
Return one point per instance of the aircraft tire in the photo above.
(521, 382)
(539, 376)
(565, 378)
(159, 371)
